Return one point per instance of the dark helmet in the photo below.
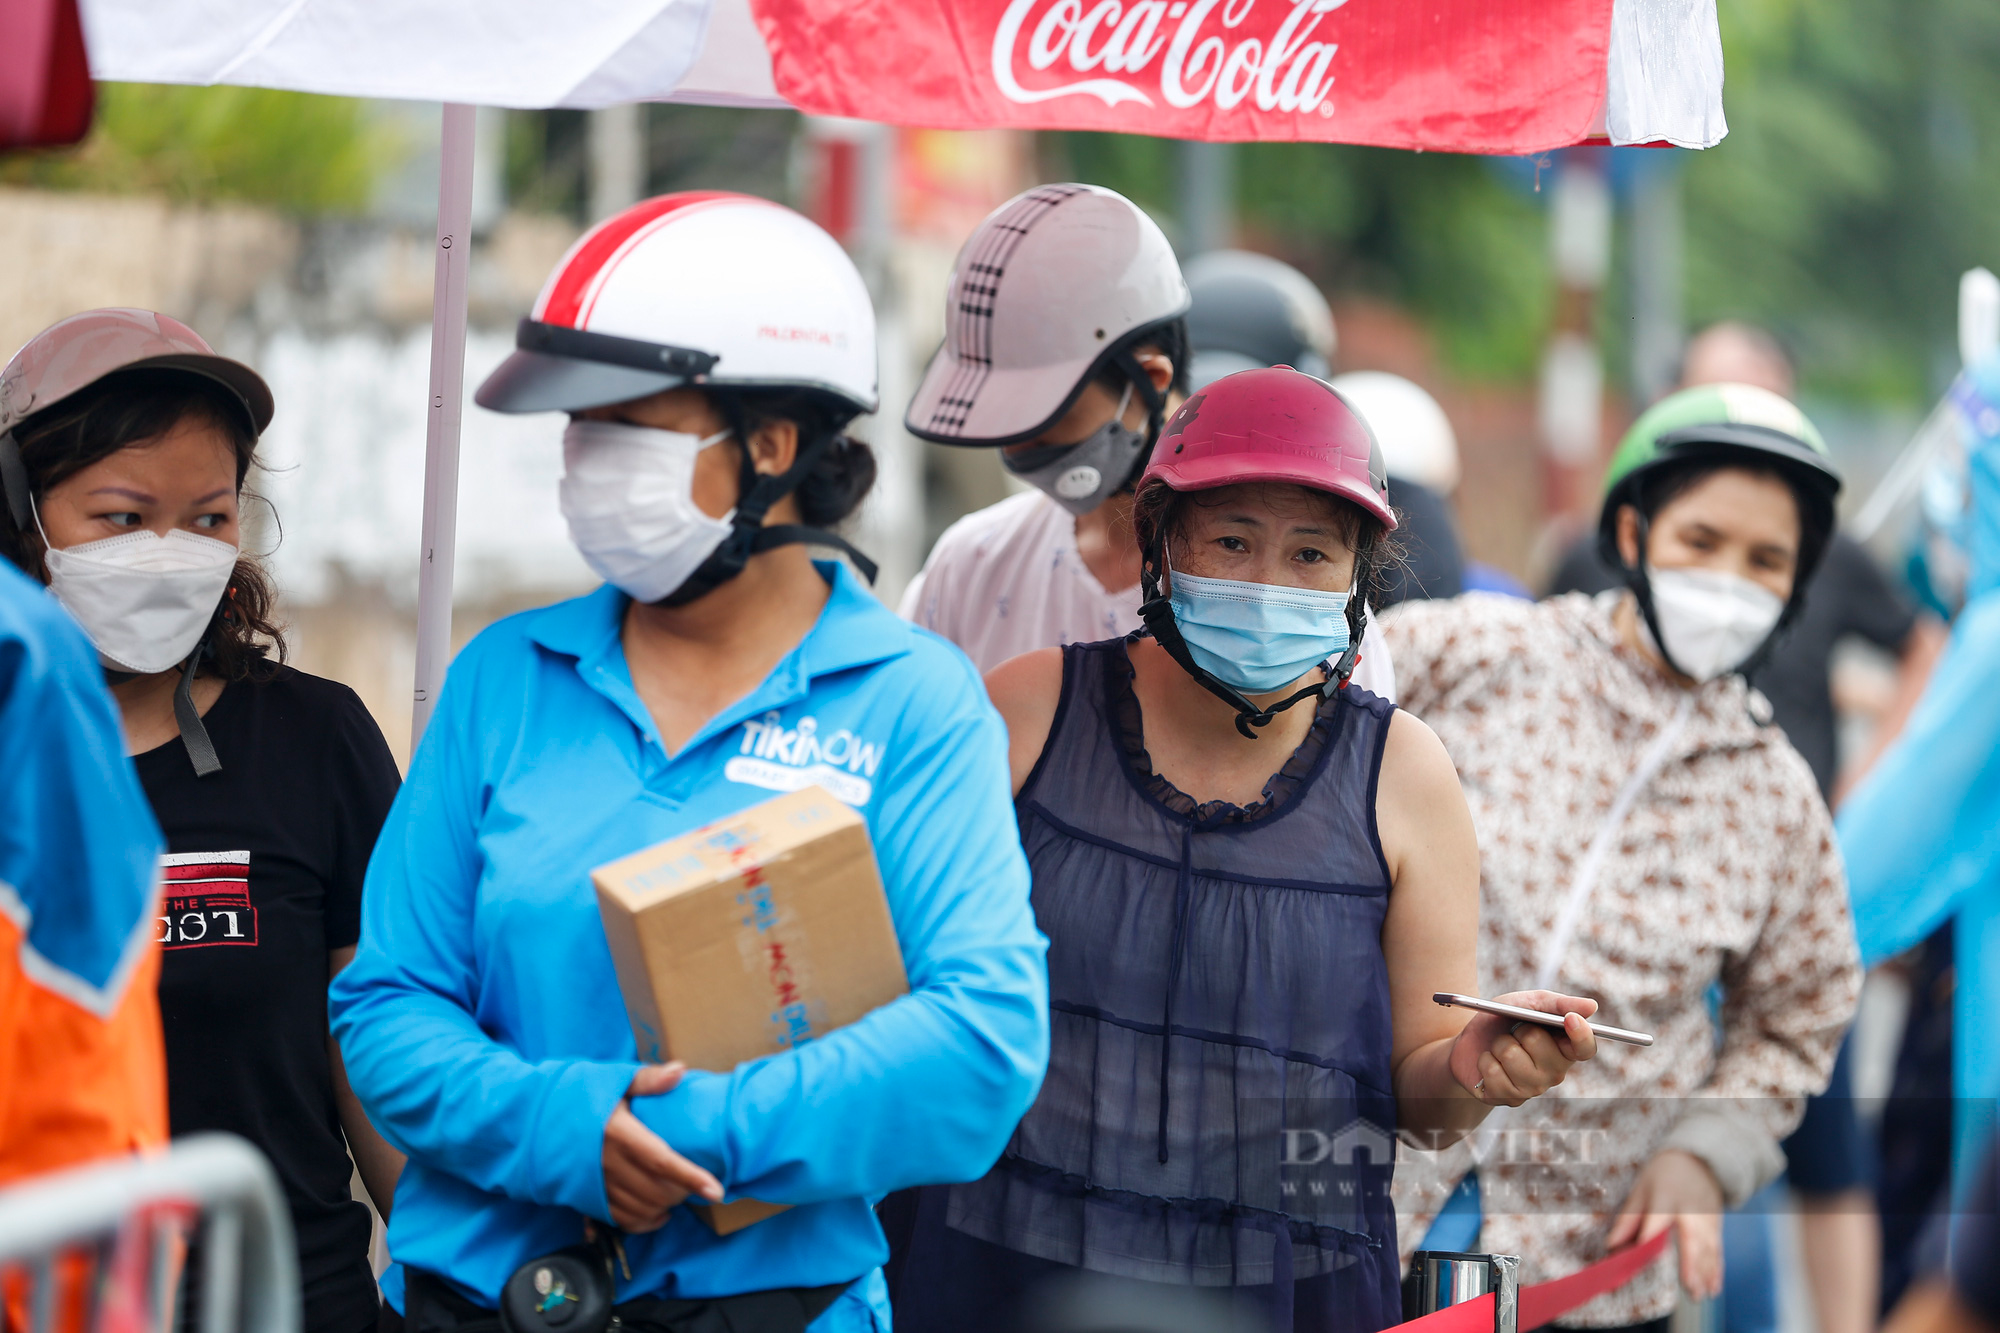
(1251, 311)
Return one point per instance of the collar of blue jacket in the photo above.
(481, 1020)
(855, 630)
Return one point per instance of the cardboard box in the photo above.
(748, 937)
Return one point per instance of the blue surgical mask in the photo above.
(1258, 637)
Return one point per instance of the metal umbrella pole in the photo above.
(441, 438)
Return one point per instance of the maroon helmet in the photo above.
(1278, 424)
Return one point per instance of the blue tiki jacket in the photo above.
(482, 1023)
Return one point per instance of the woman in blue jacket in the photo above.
(710, 349)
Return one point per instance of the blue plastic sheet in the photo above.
(1921, 836)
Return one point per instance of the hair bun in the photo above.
(838, 483)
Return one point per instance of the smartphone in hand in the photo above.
(1515, 1011)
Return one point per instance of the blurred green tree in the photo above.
(292, 151)
(687, 148)
(1435, 232)
(1860, 177)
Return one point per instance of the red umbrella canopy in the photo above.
(1465, 76)
(45, 93)
(1485, 76)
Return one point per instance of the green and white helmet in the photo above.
(1725, 423)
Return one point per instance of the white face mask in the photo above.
(144, 600)
(628, 495)
(1711, 621)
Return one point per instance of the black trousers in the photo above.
(430, 1305)
(1660, 1325)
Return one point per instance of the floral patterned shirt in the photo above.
(1723, 878)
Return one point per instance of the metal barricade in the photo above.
(214, 1190)
(1439, 1279)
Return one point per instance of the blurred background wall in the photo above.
(1542, 301)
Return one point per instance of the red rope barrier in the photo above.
(1545, 1300)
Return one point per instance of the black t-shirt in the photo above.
(264, 868)
(1848, 594)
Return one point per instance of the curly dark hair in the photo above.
(128, 408)
(1159, 511)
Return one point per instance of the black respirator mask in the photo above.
(1083, 475)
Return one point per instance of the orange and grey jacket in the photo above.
(82, 1070)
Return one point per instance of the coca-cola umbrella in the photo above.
(1465, 76)
(1481, 76)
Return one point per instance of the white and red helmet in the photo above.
(699, 288)
(1053, 283)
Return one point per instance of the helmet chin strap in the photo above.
(1156, 411)
(194, 736)
(1642, 592)
(187, 717)
(1149, 393)
(14, 480)
(748, 533)
(1157, 611)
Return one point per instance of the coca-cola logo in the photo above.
(1185, 52)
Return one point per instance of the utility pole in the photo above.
(1207, 201)
(617, 159)
(851, 191)
(1659, 321)
(1570, 407)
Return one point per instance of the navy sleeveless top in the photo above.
(1218, 1109)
